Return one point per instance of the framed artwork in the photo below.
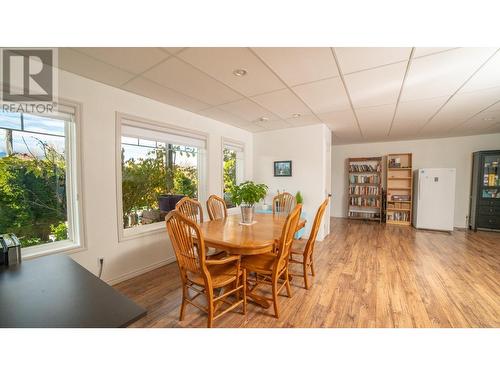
(283, 168)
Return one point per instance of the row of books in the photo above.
(364, 190)
(364, 215)
(364, 168)
(362, 201)
(398, 216)
(360, 179)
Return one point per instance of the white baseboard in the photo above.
(140, 271)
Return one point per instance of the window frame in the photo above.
(235, 144)
(125, 234)
(74, 195)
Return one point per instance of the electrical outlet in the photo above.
(100, 260)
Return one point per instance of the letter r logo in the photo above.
(27, 75)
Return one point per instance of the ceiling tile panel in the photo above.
(442, 74)
(183, 78)
(411, 116)
(300, 65)
(303, 120)
(375, 121)
(461, 107)
(376, 86)
(487, 77)
(149, 89)
(86, 66)
(248, 110)
(284, 103)
(134, 60)
(353, 59)
(324, 96)
(221, 62)
(225, 117)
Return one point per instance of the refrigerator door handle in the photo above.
(419, 184)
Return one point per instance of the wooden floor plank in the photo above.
(367, 275)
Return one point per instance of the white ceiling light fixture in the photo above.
(296, 115)
(240, 72)
(488, 118)
(263, 119)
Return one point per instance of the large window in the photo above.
(158, 166)
(233, 167)
(38, 190)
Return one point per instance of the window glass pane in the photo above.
(155, 176)
(43, 125)
(33, 182)
(10, 120)
(229, 173)
(130, 140)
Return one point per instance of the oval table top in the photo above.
(235, 238)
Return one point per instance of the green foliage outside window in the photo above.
(33, 196)
(229, 172)
(144, 179)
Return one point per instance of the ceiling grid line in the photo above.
(401, 89)
(286, 85)
(229, 87)
(140, 75)
(455, 93)
(332, 49)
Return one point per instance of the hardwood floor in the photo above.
(367, 275)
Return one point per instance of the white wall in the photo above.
(427, 153)
(306, 147)
(99, 104)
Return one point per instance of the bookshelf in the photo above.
(364, 189)
(399, 185)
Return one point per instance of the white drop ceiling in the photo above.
(363, 94)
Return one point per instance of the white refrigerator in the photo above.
(434, 198)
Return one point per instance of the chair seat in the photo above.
(262, 263)
(222, 274)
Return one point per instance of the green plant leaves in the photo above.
(248, 193)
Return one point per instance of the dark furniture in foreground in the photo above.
(485, 191)
(55, 291)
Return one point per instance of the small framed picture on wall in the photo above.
(283, 168)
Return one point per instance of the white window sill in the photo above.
(66, 246)
(141, 231)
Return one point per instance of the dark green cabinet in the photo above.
(485, 191)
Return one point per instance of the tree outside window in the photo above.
(152, 169)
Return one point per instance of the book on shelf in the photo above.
(364, 190)
(364, 201)
(363, 179)
(364, 168)
(398, 216)
(364, 215)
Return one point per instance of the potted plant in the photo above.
(246, 195)
(298, 198)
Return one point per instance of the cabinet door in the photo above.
(490, 178)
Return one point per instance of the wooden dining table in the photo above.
(230, 235)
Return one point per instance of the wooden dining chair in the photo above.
(202, 275)
(216, 207)
(283, 203)
(190, 208)
(305, 253)
(272, 268)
